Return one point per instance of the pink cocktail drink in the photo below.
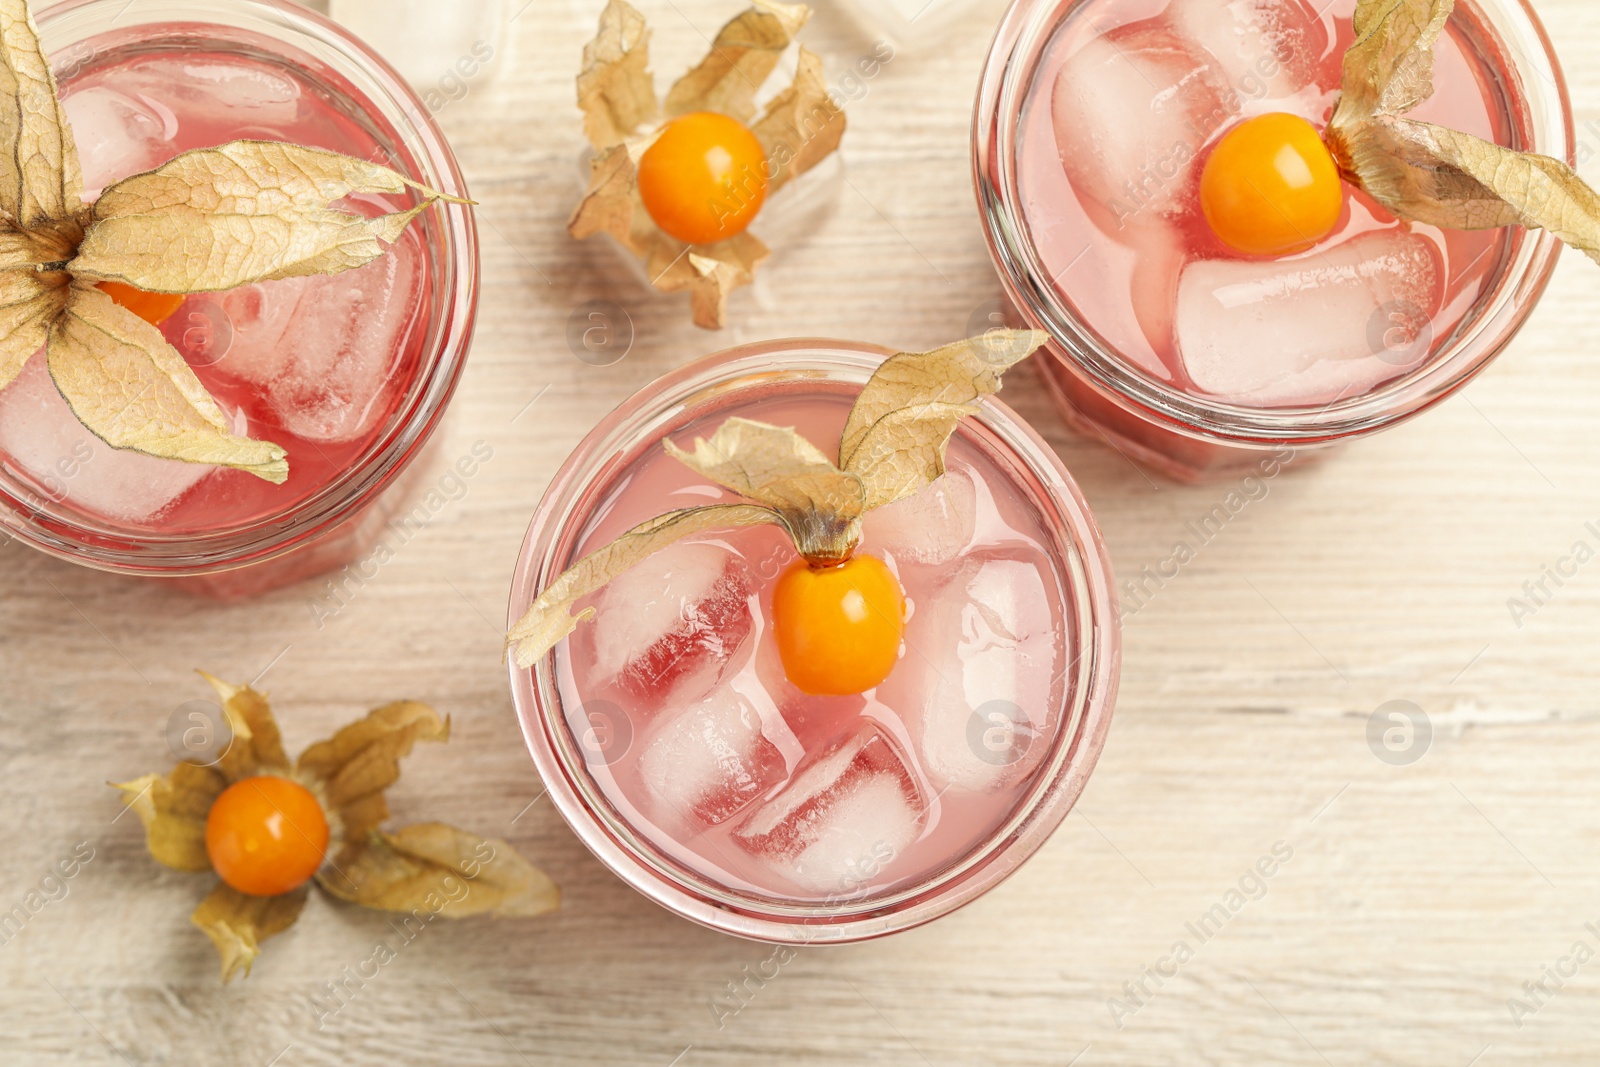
(672, 737)
(751, 782)
(1183, 351)
(337, 369)
(314, 364)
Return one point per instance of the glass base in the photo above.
(357, 545)
(1173, 455)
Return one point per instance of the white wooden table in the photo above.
(1418, 900)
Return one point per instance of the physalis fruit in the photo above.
(266, 835)
(154, 308)
(838, 628)
(704, 178)
(1271, 187)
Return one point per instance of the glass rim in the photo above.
(698, 389)
(1018, 45)
(62, 531)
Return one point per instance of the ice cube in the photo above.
(844, 816)
(1132, 109)
(41, 436)
(259, 316)
(258, 102)
(1266, 49)
(1154, 289)
(678, 615)
(322, 349)
(1312, 329)
(977, 687)
(712, 760)
(931, 527)
(118, 134)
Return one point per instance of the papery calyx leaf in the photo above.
(1429, 173)
(249, 211)
(1436, 175)
(41, 185)
(550, 619)
(432, 869)
(611, 200)
(801, 126)
(173, 809)
(615, 90)
(745, 52)
(30, 302)
(1388, 69)
(255, 744)
(134, 391)
(356, 765)
(895, 437)
(772, 465)
(31, 250)
(775, 466)
(238, 923)
(709, 272)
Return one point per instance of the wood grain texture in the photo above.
(1418, 899)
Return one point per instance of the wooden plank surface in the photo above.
(1417, 902)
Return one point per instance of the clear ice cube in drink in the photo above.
(42, 437)
(673, 625)
(1262, 48)
(119, 133)
(930, 527)
(982, 699)
(320, 351)
(843, 816)
(707, 762)
(1131, 111)
(1298, 330)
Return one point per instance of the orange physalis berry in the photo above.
(704, 178)
(154, 308)
(266, 835)
(1271, 187)
(838, 628)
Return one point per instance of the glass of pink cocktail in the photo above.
(1094, 123)
(349, 372)
(671, 739)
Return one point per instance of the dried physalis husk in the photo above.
(801, 126)
(798, 128)
(1429, 173)
(895, 438)
(893, 446)
(208, 220)
(237, 923)
(615, 87)
(744, 53)
(427, 868)
(446, 871)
